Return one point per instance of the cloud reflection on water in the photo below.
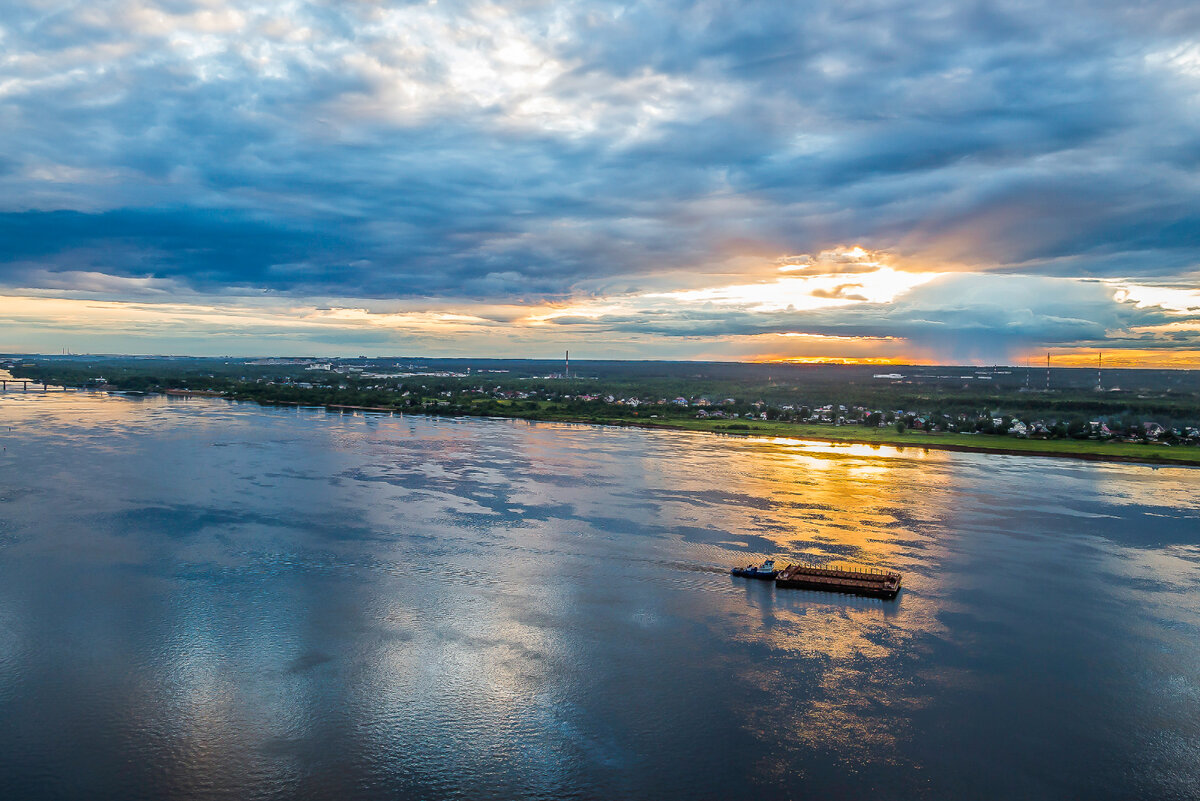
(313, 603)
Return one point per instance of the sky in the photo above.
(966, 182)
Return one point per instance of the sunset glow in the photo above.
(480, 178)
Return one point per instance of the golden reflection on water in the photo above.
(865, 698)
(846, 448)
(816, 502)
(871, 506)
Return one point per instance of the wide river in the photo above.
(201, 599)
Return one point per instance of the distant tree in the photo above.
(900, 427)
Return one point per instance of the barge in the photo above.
(870, 582)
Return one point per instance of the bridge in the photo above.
(25, 382)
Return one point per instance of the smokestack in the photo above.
(1047, 371)
(567, 365)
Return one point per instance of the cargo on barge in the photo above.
(871, 582)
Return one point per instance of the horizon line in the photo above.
(801, 362)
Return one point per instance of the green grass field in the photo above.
(1085, 449)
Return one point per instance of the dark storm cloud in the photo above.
(358, 150)
(192, 245)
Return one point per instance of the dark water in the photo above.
(206, 600)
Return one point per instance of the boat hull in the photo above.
(884, 592)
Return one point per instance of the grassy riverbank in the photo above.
(1091, 450)
(1096, 450)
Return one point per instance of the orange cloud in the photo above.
(1120, 357)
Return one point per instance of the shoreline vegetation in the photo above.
(1089, 450)
(1145, 416)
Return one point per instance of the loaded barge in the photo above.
(871, 582)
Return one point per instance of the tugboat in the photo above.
(766, 571)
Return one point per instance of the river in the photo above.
(201, 599)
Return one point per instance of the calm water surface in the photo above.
(201, 599)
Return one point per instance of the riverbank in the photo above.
(1088, 450)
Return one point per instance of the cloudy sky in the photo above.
(918, 181)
